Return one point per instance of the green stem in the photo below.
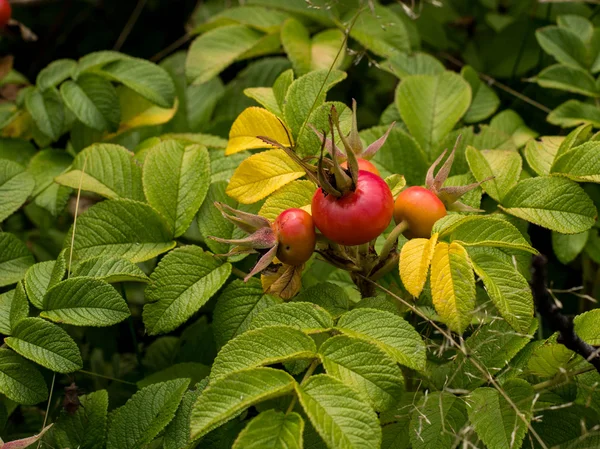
(239, 273)
(311, 369)
(392, 239)
(89, 373)
(389, 265)
(136, 347)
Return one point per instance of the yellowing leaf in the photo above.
(261, 174)
(253, 122)
(452, 285)
(20, 126)
(295, 194)
(415, 258)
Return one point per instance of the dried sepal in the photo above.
(247, 222)
(282, 280)
(263, 238)
(263, 262)
(376, 146)
(354, 141)
(329, 145)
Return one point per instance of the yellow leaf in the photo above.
(452, 285)
(136, 111)
(261, 174)
(295, 194)
(415, 258)
(253, 122)
(21, 125)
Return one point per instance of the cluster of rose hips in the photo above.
(351, 207)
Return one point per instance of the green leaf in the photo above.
(237, 306)
(567, 247)
(558, 204)
(495, 419)
(84, 301)
(326, 49)
(365, 367)
(109, 269)
(388, 331)
(227, 397)
(94, 102)
(403, 64)
(40, 277)
(177, 433)
(580, 164)
(55, 73)
(380, 30)
(510, 292)
(212, 52)
(579, 25)
(570, 79)
(431, 106)
(338, 413)
(265, 97)
(563, 44)
(487, 231)
(146, 78)
(263, 19)
(296, 194)
(145, 415)
(399, 154)
(491, 346)
(329, 296)
(98, 58)
(13, 308)
(195, 372)
(305, 316)
(272, 430)
(441, 417)
(45, 166)
(15, 187)
(305, 95)
(549, 358)
(504, 165)
(485, 101)
(541, 155)
(46, 109)
(15, 259)
(575, 138)
(264, 346)
(182, 282)
(586, 326)
(176, 180)
(121, 228)
(281, 86)
(222, 167)
(574, 113)
(509, 122)
(20, 380)
(107, 169)
(46, 344)
(86, 428)
(16, 150)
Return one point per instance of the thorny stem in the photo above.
(561, 378)
(311, 369)
(558, 322)
(392, 239)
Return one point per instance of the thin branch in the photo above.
(558, 322)
(493, 82)
(130, 24)
(171, 48)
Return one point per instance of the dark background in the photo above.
(73, 28)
